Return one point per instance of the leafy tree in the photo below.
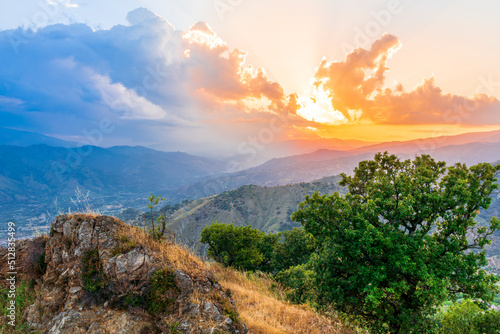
(267, 247)
(231, 245)
(468, 318)
(402, 240)
(294, 248)
(299, 283)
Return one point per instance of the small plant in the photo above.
(161, 219)
(82, 202)
(173, 328)
(24, 297)
(125, 244)
(93, 276)
(162, 292)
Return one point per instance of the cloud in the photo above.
(142, 75)
(162, 86)
(355, 87)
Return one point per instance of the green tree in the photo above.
(467, 317)
(295, 248)
(299, 283)
(402, 240)
(235, 246)
(267, 247)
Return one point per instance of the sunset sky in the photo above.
(223, 76)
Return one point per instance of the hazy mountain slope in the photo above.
(31, 178)
(322, 163)
(25, 138)
(266, 208)
(429, 144)
(282, 171)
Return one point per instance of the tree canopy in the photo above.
(231, 245)
(402, 240)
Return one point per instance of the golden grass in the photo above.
(263, 311)
(169, 253)
(259, 299)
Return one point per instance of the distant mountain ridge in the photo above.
(36, 176)
(25, 139)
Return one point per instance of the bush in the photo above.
(235, 246)
(299, 283)
(468, 318)
(162, 292)
(124, 245)
(93, 276)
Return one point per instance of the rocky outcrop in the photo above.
(99, 279)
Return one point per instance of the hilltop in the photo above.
(96, 274)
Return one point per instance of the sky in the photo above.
(234, 77)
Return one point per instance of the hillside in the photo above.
(324, 162)
(103, 276)
(25, 139)
(40, 179)
(266, 208)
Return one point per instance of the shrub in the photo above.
(468, 318)
(162, 292)
(33, 264)
(299, 282)
(124, 245)
(93, 276)
(231, 245)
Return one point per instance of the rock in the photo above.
(97, 321)
(212, 311)
(183, 282)
(75, 289)
(122, 283)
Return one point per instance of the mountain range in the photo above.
(41, 179)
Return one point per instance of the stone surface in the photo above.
(64, 306)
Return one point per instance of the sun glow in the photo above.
(203, 37)
(318, 108)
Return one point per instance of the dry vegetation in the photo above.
(259, 299)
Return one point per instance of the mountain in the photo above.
(430, 144)
(266, 208)
(34, 177)
(322, 163)
(25, 138)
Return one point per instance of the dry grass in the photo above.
(169, 253)
(263, 310)
(259, 299)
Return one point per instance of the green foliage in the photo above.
(295, 248)
(267, 247)
(124, 245)
(162, 292)
(25, 296)
(468, 318)
(398, 244)
(299, 283)
(157, 233)
(235, 246)
(173, 328)
(93, 277)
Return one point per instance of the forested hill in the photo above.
(266, 208)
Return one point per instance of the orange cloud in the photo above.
(355, 87)
(221, 74)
